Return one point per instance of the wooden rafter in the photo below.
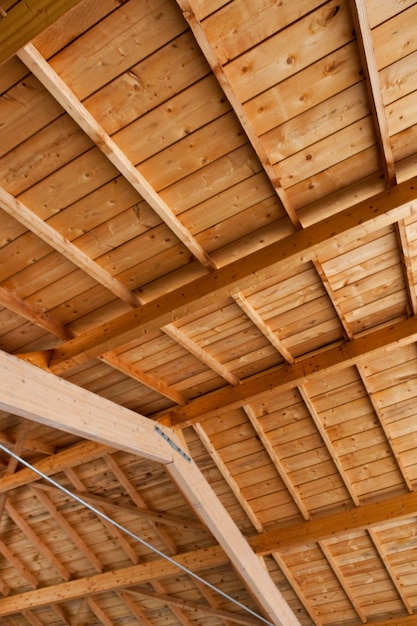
(11, 301)
(61, 92)
(366, 48)
(328, 526)
(190, 14)
(200, 608)
(34, 223)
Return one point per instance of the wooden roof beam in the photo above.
(26, 20)
(366, 217)
(58, 242)
(284, 377)
(11, 301)
(366, 50)
(336, 524)
(73, 409)
(190, 15)
(70, 103)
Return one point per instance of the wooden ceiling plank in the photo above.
(328, 443)
(136, 498)
(222, 467)
(265, 329)
(32, 618)
(4, 589)
(286, 377)
(64, 524)
(365, 217)
(11, 301)
(211, 598)
(156, 384)
(174, 608)
(28, 19)
(30, 56)
(335, 524)
(247, 565)
(334, 300)
(195, 606)
(58, 242)
(395, 453)
(366, 49)
(401, 230)
(134, 609)
(158, 518)
(59, 611)
(297, 588)
(98, 612)
(37, 542)
(12, 464)
(80, 453)
(70, 408)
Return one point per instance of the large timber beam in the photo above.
(42, 397)
(364, 218)
(113, 580)
(336, 524)
(288, 376)
(27, 19)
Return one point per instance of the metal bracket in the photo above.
(172, 443)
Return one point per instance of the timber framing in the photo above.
(208, 312)
(77, 411)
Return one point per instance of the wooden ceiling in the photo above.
(208, 312)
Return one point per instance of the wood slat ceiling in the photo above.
(208, 218)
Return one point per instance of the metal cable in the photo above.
(132, 535)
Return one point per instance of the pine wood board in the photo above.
(117, 104)
(295, 95)
(154, 26)
(26, 164)
(324, 193)
(327, 28)
(27, 95)
(317, 157)
(388, 52)
(192, 154)
(315, 124)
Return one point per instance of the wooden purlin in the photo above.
(286, 377)
(367, 216)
